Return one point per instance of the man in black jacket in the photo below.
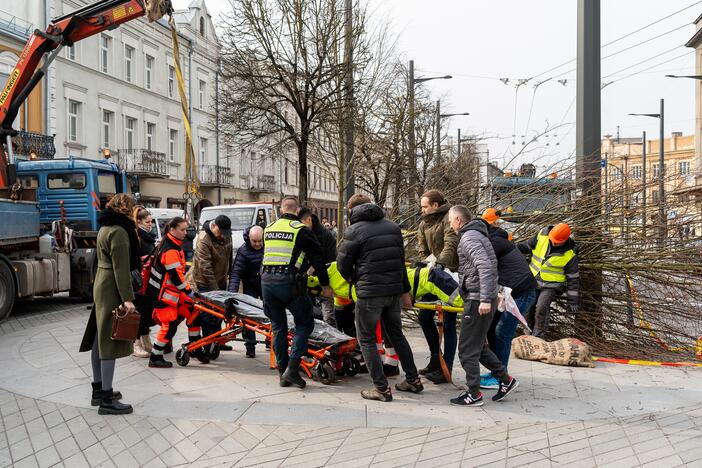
(246, 270)
(513, 272)
(328, 242)
(372, 258)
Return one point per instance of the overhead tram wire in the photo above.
(642, 61)
(645, 41)
(624, 36)
(686, 54)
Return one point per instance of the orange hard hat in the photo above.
(559, 233)
(491, 215)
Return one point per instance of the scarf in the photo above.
(109, 217)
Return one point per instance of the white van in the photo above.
(161, 217)
(242, 215)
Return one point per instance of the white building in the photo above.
(118, 91)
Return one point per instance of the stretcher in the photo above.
(329, 351)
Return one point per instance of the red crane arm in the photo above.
(62, 31)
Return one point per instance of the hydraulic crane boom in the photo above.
(62, 31)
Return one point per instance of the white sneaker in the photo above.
(146, 343)
(139, 350)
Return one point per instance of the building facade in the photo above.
(625, 179)
(117, 93)
(16, 26)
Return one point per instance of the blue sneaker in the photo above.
(489, 382)
(485, 376)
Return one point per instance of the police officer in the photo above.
(288, 245)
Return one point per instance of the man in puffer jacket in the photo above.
(477, 273)
(372, 258)
(246, 270)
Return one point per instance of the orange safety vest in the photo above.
(172, 258)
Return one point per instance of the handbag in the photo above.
(125, 326)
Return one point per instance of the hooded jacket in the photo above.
(147, 242)
(436, 237)
(326, 239)
(512, 267)
(571, 270)
(247, 268)
(211, 261)
(372, 254)
(477, 264)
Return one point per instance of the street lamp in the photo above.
(694, 77)
(440, 116)
(412, 144)
(663, 227)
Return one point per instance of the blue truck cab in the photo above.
(73, 188)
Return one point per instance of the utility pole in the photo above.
(438, 131)
(219, 185)
(458, 149)
(350, 107)
(587, 150)
(663, 233)
(643, 189)
(606, 194)
(412, 150)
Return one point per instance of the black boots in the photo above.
(111, 405)
(283, 382)
(97, 394)
(433, 365)
(157, 361)
(292, 374)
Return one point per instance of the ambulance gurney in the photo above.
(329, 350)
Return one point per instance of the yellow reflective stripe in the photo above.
(454, 295)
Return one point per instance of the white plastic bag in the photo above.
(505, 303)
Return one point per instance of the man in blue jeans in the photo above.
(513, 272)
(288, 246)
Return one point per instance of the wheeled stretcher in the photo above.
(329, 351)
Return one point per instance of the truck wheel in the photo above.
(7, 290)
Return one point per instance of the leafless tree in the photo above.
(281, 73)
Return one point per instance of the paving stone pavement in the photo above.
(232, 413)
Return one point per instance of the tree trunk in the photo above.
(302, 171)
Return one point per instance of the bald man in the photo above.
(246, 272)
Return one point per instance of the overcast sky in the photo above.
(480, 41)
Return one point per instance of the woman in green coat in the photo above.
(117, 255)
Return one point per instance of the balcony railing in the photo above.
(28, 145)
(143, 162)
(15, 26)
(264, 183)
(213, 175)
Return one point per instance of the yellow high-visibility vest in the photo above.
(550, 270)
(279, 243)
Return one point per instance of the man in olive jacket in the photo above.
(211, 264)
(434, 235)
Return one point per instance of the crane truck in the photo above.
(49, 208)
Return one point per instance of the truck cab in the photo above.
(73, 189)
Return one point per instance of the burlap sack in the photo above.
(565, 352)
